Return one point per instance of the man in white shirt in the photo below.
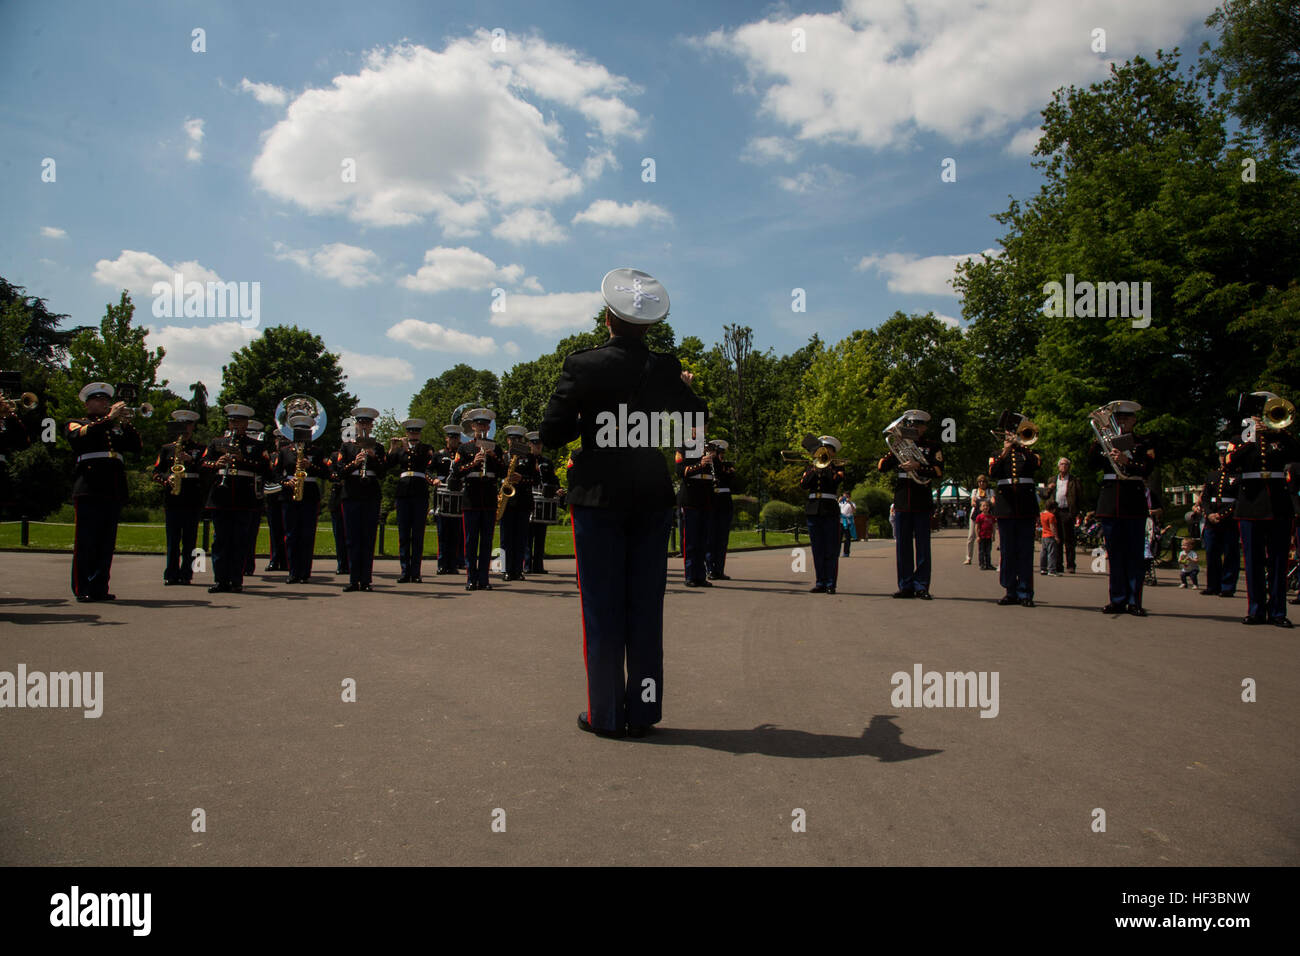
(1065, 489)
(848, 530)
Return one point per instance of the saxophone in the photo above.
(178, 468)
(508, 486)
(299, 472)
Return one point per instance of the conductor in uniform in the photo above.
(1265, 513)
(451, 533)
(99, 440)
(1122, 508)
(235, 463)
(477, 468)
(621, 499)
(412, 459)
(1016, 509)
(822, 509)
(359, 466)
(1217, 505)
(913, 505)
(183, 502)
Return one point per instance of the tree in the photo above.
(460, 384)
(36, 330)
(282, 361)
(1258, 60)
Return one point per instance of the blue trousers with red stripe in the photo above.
(93, 540)
(1125, 544)
(622, 559)
(478, 525)
(1016, 569)
(1222, 556)
(695, 541)
(1266, 543)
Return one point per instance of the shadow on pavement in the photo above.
(40, 618)
(881, 739)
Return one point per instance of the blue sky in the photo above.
(514, 162)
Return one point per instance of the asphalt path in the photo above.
(462, 747)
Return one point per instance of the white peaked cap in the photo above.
(634, 296)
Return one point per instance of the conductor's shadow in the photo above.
(161, 602)
(682, 589)
(34, 602)
(881, 739)
(1094, 609)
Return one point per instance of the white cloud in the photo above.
(194, 130)
(265, 93)
(548, 314)
(350, 266)
(138, 271)
(926, 275)
(445, 134)
(462, 268)
(597, 161)
(769, 149)
(606, 212)
(876, 72)
(375, 369)
(196, 353)
(510, 348)
(430, 336)
(948, 320)
(1023, 143)
(819, 178)
(53, 232)
(530, 225)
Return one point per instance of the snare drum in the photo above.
(545, 510)
(448, 504)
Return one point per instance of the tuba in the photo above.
(900, 439)
(298, 412)
(1111, 438)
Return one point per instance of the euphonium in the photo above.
(1110, 437)
(1278, 414)
(899, 439)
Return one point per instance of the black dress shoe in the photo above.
(1137, 610)
(1007, 599)
(817, 589)
(403, 580)
(904, 594)
(218, 589)
(84, 599)
(691, 584)
(351, 587)
(1113, 609)
(584, 724)
(471, 587)
(539, 571)
(169, 583)
(830, 589)
(1254, 620)
(291, 581)
(366, 587)
(1281, 622)
(1210, 593)
(704, 583)
(1228, 594)
(235, 589)
(1027, 602)
(485, 587)
(722, 577)
(639, 731)
(417, 580)
(924, 595)
(709, 575)
(340, 570)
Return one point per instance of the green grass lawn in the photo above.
(148, 538)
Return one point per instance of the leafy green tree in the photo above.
(36, 334)
(282, 361)
(457, 385)
(1258, 60)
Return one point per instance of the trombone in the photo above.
(1278, 414)
(1025, 433)
(820, 459)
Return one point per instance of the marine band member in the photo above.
(451, 532)
(1016, 511)
(913, 505)
(300, 516)
(822, 509)
(1264, 513)
(478, 470)
(725, 483)
(412, 459)
(234, 463)
(1122, 509)
(519, 507)
(359, 465)
(99, 440)
(1219, 535)
(182, 510)
(695, 500)
(549, 485)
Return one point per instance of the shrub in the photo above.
(780, 514)
(744, 513)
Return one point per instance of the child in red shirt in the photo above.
(1047, 560)
(985, 523)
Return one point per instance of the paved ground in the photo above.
(775, 699)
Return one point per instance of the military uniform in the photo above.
(913, 505)
(181, 511)
(549, 487)
(98, 493)
(300, 517)
(1264, 513)
(695, 499)
(479, 510)
(233, 503)
(519, 510)
(1122, 510)
(1016, 509)
(273, 496)
(1219, 533)
(337, 526)
(360, 497)
(715, 557)
(620, 498)
(822, 510)
(451, 531)
(414, 467)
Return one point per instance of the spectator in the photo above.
(1049, 559)
(848, 530)
(1064, 490)
(1189, 564)
(978, 497)
(984, 525)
